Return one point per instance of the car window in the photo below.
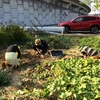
(92, 18)
(86, 18)
(89, 18)
(80, 19)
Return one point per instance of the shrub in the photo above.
(12, 34)
(2, 38)
(3, 78)
(15, 33)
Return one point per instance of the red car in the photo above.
(82, 23)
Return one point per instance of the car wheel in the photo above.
(66, 30)
(94, 29)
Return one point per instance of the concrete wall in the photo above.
(27, 11)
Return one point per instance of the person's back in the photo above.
(86, 51)
(14, 48)
(11, 56)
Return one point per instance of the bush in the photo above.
(4, 78)
(2, 38)
(12, 34)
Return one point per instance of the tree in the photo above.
(96, 3)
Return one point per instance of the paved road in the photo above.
(78, 34)
(82, 34)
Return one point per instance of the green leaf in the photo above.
(85, 98)
(65, 95)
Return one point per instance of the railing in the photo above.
(50, 29)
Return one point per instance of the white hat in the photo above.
(37, 41)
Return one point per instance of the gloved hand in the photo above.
(41, 56)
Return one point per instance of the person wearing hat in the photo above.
(11, 56)
(40, 47)
(87, 52)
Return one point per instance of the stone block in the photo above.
(47, 17)
(1, 3)
(13, 3)
(40, 12)
(35, 6)
(31, 17)
(21, 18)
(26, 13)
(6, 1)
(50, 14)
(6, 8)
(1, 21)
(19, 2)
(40, 18)
(27, 21)
(36, 13)
(31, 10)
(43, 8)
(25, 4)
(7, 17)
(44, 14)
(31, 3)
(53, 11)
(20, 9)
(14, 13)
(39, 5)
(1, 13)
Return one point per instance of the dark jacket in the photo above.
(14, 48)
(44, 46)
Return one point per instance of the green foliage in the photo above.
(2, 38)
(12, 34)
(60, 42)
(87, 2)
(72, 79)
(66, 42)
(96, 5)
(93, 42)
(3, 78)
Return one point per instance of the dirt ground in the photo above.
(28, 61)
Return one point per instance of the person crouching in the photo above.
(41, 47)
(11, 57)
(88, 52)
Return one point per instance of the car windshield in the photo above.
(72, 20)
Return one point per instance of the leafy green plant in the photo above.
(73, 79)
(12, 33)
(66, 42)
(2, 38)
(68, 79)
(90, 41)
(4, 80)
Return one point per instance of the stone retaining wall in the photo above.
(27, 11)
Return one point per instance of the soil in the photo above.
(28, 62)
